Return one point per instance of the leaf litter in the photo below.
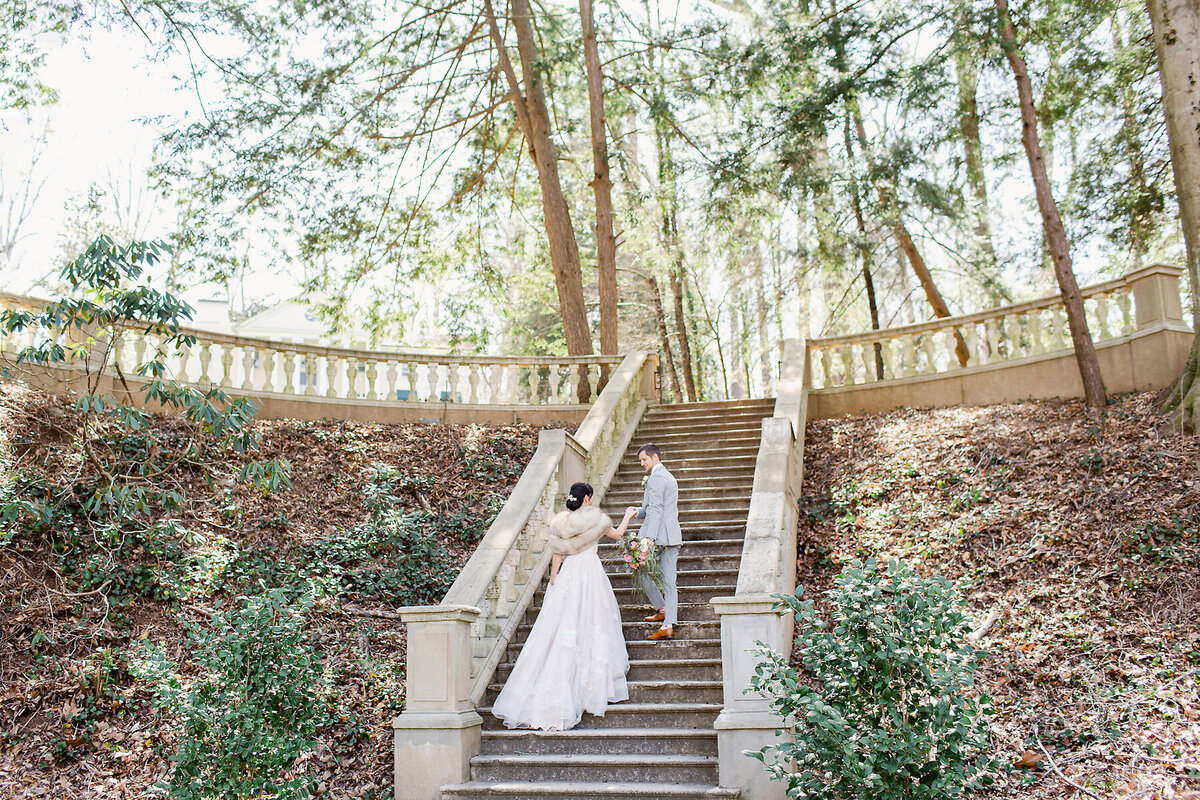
(1082, 529)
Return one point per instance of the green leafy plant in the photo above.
(259, 699)
(111, 513)
(883, 708)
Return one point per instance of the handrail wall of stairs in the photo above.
(453, 648)
(768, 568)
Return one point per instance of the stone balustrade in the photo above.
(998, 335)
(459, 643)
(293, 376)
(768, 569)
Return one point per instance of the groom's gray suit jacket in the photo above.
(660, 508)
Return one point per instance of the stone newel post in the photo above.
(1161, 340)
(438, 732)
(746, 722)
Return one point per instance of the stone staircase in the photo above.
(660, 743)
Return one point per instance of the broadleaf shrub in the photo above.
(253, 710)
(884, 707)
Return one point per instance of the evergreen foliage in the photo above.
(884, 708)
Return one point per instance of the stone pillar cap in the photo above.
(446, 613)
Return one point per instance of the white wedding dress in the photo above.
(575, 658)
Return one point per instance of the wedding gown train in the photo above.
(574, 659)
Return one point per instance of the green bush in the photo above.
(254, 708)
(883, 708)
(112, 515)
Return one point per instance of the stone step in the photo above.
(636, 715)
(687, 594)
(686, 578)
(547, 790)
(708, 547)
(660, 650)
(699, 454)
(617, 499)
(688, 560)
(599, 767)
(718, 410)
(738, 503)
(702, 612)
(624, 741)
(670, 441)
(650, 669)
(638, 630)
(656, 691)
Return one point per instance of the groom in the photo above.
(660, 514)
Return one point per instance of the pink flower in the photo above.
(628, 558)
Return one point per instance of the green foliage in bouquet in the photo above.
(641, 554)
(884, 707)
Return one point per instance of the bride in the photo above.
(574, 659)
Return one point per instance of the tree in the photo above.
(1176, 26)
(606, 240)
(1060, 252)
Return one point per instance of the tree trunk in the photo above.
(1176, 26)
(664, 336)
(534, 118)
(1056, 237)
(864, 254)
(606, 241)
(668, 198)
(967, 71)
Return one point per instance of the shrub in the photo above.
(254, 708)
(112, 515)
(883, 708)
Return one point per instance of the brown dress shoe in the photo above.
(662, 633)
(657, 616)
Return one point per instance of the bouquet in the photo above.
(642, 557)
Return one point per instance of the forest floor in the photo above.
(74, 723)
(1083, 531)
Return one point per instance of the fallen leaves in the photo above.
(1084, 529)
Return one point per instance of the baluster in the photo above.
(139, 350)
(410, 367)
(821, 368)
(908, 345)
(310, 374)
(351, 377)
(555, 393)
(268, 359)
(1057, 326)
(992, 327)
(1011, 337)
(331, 373)
(435, 380)
(927, 348)
(473, 383)
(867, 354)
(249, 354)
(535, 384)
(1126, 318)
(205, 356)
(288, 363)
(1034, 320)
(226, 366)
(573, 381)
(373, 380)
(847, 360)
(390, 379)
(1102, 317)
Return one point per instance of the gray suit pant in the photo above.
(669, 597)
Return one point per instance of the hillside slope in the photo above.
(1082, 530)
(74, 723)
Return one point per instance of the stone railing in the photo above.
(1016, 352)
(1010, 333)
(768, 569)
(269, 368)
(454, 647)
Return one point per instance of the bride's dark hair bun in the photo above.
(576, 495)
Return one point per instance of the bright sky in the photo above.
(97, 133)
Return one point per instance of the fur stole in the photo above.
(573, 532)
